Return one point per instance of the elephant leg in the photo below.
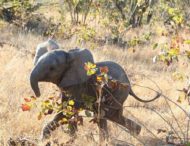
(52, 125)
(103, 129)
(117, 116)
(72, 128)
(132, 126)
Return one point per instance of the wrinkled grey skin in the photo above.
(66, 70)
(44, 47)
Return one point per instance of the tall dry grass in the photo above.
(16, 62)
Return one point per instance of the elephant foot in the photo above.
(133, 127)
(103, 130)
(72, 129)
(46, 132)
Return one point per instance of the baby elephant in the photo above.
(44, 47)
(66, 70)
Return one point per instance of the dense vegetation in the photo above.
(115, 16)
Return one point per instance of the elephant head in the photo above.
(61, 68)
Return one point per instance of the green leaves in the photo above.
(50, 106)
(71, 102)
(155, 46)
(88, 114)
(101, 77)
(88, 101)
(85, 34)
(171, 51)
(167, 56)
(187, 42)
(188, 144)
(90, 68)
(175, 15)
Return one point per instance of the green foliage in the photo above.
(18, 7)
(134, 42)
(176, 15)
(155, 46)
(171, 12)
(188, 144)
(171, 52)
(187, 42)
(90, 68)
(88, 101)
(139, 40)
(114, 16)
(85, 34)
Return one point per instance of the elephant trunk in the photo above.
(34, 83)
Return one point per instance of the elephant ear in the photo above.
(76, 74)
(43, 48)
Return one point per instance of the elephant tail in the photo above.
(141, 100)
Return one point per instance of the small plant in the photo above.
(49, 106)
(171, 52)
(175, 15)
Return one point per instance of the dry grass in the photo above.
(16, 62)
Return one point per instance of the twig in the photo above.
(176, 105)
(129, 133)
(145, 126)
(113, 97)
(54, 31)
(187, 130)
(160, 91)
(168, 105)
(167, 99)
(175, 119)
(99, 97)
(148, 108)
(126, 143)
